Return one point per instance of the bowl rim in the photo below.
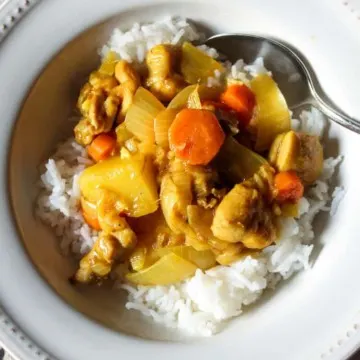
(12, 337)
(11, 13)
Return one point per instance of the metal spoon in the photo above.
(292, 72)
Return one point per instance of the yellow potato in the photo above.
(132, 179)
(272, 115)
(196, 66)
(169, 269)
(203, 259)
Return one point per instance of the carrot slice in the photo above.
(101, 147)
(196, 136)
(89, 213)
(240, 99)
(289, 187)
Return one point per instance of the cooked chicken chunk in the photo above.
(110, 208)
(300, 152)
(234, 214)
(203, 182)
(115, 238)
(175, 196)
(100, 99)
(99, 111)
(260, 238)
(200, 220)
(129, 81)
(103, 82)
(231, 253)
(246, 214)
(126, 75)
(98, 261)
(163, 81)
(84, 132)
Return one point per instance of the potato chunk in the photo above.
(132, 179)
(300, 152)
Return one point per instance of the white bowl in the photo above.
(45, 61)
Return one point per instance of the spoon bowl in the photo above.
(292, 72)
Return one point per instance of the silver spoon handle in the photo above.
(335, 115)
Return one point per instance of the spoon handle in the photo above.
(339, 117)
(335, 115)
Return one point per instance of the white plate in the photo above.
(315, 315)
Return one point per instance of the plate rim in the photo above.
(11, 13)
(20, 345)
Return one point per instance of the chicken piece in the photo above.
(89, 99)
(82, 104)
(203, 181)
(175, 196)
(163, 81)
(230, 254)
(205, 192)
(126, 75)
(260, 238)
(116, 237)
(248, 214)
(235, 213)
(166, 89)
(99, 113)
(100, 98)
(200, 220)
(244, 217)
(109, 208)
(263, 181)
(167, 238)
(99, 81)
(161, 162)
(98, 261)
(300, 152)
(84, 132)
(106, 247)
(129, 81)
(125, 236)
(103, 83)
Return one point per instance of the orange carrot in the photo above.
(289, 187)
(101, 147)
(240, 99)
(89, 213)
(196, 136)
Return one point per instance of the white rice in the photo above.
(200, 304)
(338, 195)
(197, 305)
(133, 44)
(312, 122)
(58, 203)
